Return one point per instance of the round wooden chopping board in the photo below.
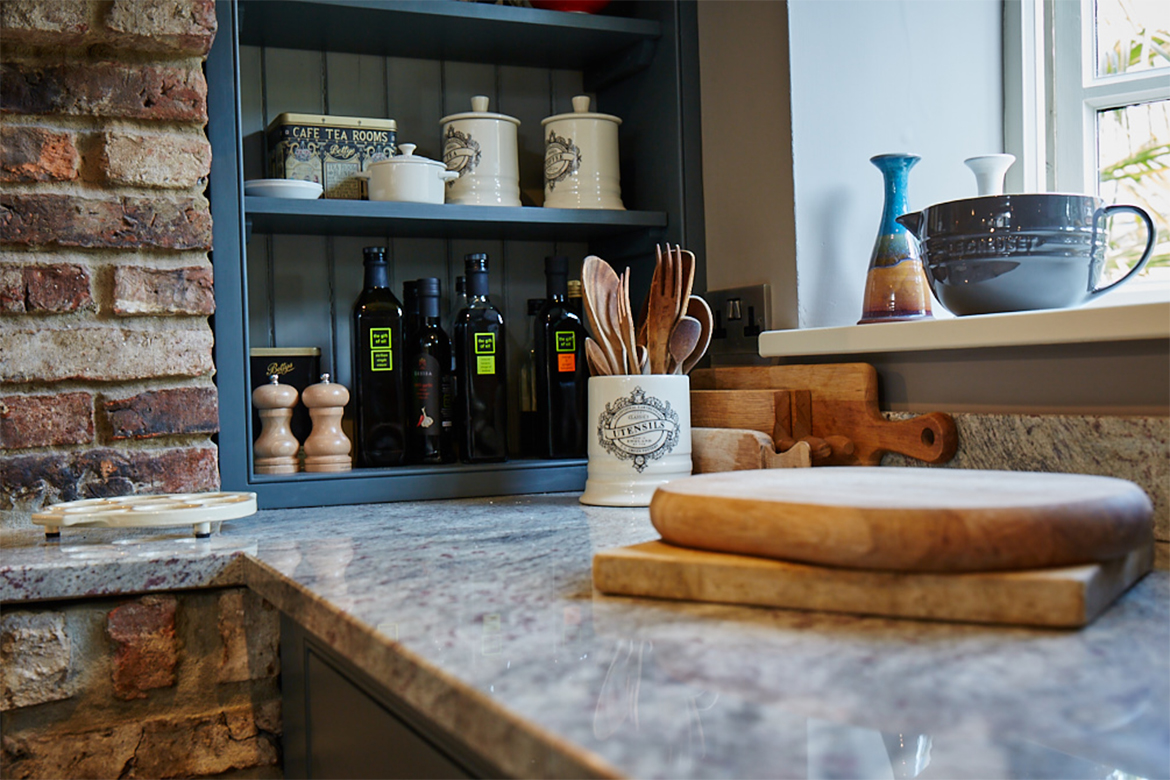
(907, 519)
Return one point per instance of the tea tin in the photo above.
(329, 150)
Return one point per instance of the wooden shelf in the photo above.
(376, 218)
(444, 29)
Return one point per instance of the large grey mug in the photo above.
(1019, 252)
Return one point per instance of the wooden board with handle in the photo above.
(844, 403)
(907, 519)
(1060, 598)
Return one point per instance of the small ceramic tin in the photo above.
(481, 147)
(639, 437)
(581, 159)
(329, 150)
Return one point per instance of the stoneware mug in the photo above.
(639, 437)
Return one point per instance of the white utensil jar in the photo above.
(407, 178)
(581, 159)
(481, 148)
(640, 437)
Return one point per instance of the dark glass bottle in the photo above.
(481, 409)
(529, 421)
(410, 313)
(379, 398)
(561, 372)
(429, 413)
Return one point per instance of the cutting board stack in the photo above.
(831, 408)
(1037, 549)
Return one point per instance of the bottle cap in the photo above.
(475, 263)
(575, 290)
(558, 264)
(374, 254)
(429, 287)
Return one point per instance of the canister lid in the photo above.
(344, 122)
(581, 111)
(285, 351)
(479, 105)
(406, 157)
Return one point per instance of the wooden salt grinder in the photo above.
(275, 452)
(327, 448)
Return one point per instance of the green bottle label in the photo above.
(485, 353)
(381, 355)
(566, 341)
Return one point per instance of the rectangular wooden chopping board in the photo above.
(1067, 597)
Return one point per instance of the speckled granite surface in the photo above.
(1133, 448)
(481, 614)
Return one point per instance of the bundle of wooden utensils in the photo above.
(673, 329)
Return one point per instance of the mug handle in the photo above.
(1151, 237)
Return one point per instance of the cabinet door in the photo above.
(339, 722)
(352, 735)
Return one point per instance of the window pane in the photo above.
(1132, 35)
(1133, 158)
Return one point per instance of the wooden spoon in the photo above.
(598, 281)
(595, 357)
(683, 340)
(698, 308)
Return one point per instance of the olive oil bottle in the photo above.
(481, 370)
(561, 373)
(380, 412)
(429, 410)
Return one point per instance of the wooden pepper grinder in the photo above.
(327, 448)
(275, 452)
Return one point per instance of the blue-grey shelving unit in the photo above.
(640, 59)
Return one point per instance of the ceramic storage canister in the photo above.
(581, 159)
(481, 147)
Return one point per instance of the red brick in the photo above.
(178, 26)
(203, 745)
(104, 354)
(139, 290)
(37, 154)
(167, 160)
(164, 93)
(44, 288)
(164, 412)
(147, 651)
(45, 420)
(45, 219)
(36, 23)
(36, 480)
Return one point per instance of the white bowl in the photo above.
(283, 188)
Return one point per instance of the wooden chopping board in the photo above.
(907, 519)
(1061, 598)
(837, 400)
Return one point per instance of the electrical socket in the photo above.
(740, 314)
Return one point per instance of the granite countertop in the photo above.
(481, 614)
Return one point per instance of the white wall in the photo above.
(747, 149)
(876, 76)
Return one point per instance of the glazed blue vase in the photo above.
(896, 287)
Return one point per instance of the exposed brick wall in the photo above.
(160, 686)
(105, 281)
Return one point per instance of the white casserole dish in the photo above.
(406, 178)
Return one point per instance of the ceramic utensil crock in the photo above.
(407, 178)
(581, 159)
(639, 437)
(1018, 252)
(480, 147)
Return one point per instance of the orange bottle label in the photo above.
(567, 362)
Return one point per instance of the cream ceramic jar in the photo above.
(480, 147)
(407, 178)
(581, 159)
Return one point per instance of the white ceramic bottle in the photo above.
(481, 147)
(581, 159)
